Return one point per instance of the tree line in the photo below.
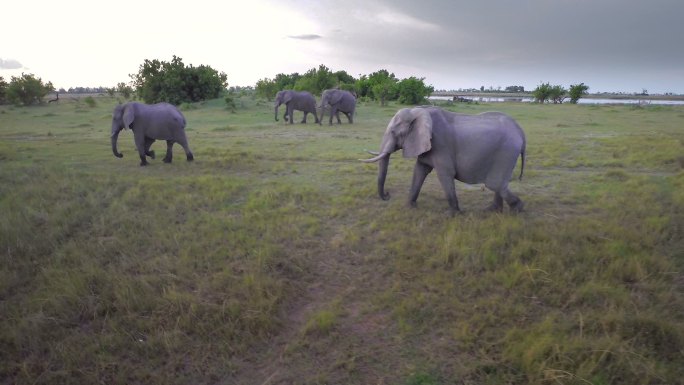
(380, 85)
(177, 83)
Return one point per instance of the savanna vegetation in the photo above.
(271, 260)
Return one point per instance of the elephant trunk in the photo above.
(387, 148)
(276, 111)
(115, 137)
(382, 174)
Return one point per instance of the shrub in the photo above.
(27, 90)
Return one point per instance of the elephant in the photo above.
(294, 100)
(339, 100)
(150, 122)
(473, 149)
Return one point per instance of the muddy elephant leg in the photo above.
(420, 172)
(148, 144)
(169, 151)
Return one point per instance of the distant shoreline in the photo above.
(529, 95)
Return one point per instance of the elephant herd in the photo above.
(473, 149)
(338, 100)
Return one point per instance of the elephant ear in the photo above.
(287, 97)
(128, 116)
(419, 137)
(336, 97)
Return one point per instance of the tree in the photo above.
(27, 90)
(413, 90)
(577, 91)
(3, 90)
(557, 94)
(380, 85)
(124, 89)
(173, 82)
(542, 92)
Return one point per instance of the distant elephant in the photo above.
(294, 100)
(480, 148)
(339, 100)
(150, 122)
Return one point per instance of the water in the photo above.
(501, 99)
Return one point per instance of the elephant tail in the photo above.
(522, 164)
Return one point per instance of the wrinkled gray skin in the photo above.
(294, 100)
(473, 149)
(150, 122)
(339, 101)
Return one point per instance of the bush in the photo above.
(576, 92)
(27, 90)
(413, 90)
(90, 101)
(158, 81)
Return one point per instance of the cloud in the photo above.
(306, 37)
(9, 64)
(407, 21)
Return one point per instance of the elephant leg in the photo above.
(420, 172)
(515, 203)
(497, 205)
(169, 151)
(337, 115)
(183, 141)
(333, 112)
(446, 179)
(304, 120)
(148, 144)
(140, 145)
(350, 117)
(290, 113)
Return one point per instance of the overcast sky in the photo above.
(610, 45)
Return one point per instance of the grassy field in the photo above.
(271, 260)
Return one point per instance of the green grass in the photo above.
(270, 259)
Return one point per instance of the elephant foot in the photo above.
(151, 154)
(191, 157)
(454, 212)
(517, 206)
(494, 208)
(143, 164)
(167, 160)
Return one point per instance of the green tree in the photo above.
(3, 90)
(316, 80)
(124, 89)
(380, 85)
(577, 91)
(542, 92)
(413, 90)
(266, 88)
(173, 82)
(27, 90)
(557, 94)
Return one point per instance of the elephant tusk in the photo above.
(375, 159)
(372, 152)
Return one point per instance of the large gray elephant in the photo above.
(150, 122)
(480, 148)
(295, 100)
(339, 100)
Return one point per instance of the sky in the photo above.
(609, 45)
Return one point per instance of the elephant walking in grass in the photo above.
(294, 100)
(150, 122)
(473, 149)
(339, 101)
